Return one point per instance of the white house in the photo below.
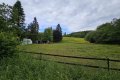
(26, 41)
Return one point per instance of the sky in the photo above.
(73, 15)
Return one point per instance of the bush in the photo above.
(8, 44)
(108, 33)
(90, 37)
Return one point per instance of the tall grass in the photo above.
(24, 67)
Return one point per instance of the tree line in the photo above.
(12, 19)
(108, 33)
(80, 34)
(49, 34)
(13, 29)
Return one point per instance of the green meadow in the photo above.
(24, 66)
(77, 47)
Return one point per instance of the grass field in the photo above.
(76, 47)
(23, 66)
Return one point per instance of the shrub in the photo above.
(108, 33)
(90, 37)
(8, 43)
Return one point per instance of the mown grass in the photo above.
(24, 67)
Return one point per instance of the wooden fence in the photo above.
(107, 60)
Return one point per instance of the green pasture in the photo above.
(76, 47)
(23, 66)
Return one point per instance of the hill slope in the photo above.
(76, 46)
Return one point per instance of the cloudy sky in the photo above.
(73, 15)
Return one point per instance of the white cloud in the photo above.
(75, 15)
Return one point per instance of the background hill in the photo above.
(80, 34)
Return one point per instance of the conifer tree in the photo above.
(57, 34)
(18, 19)
(33, 30)
(59, 29)
(18, 16)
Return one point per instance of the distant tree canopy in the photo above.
(80, 34)
(57, 34)
(51, 35)
(33, 30)
(48, 34)
(106, 33)
(40, 37)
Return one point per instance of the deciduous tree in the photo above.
(48, 34)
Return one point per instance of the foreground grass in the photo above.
(24, 67)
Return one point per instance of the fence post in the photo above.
(108, 64)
